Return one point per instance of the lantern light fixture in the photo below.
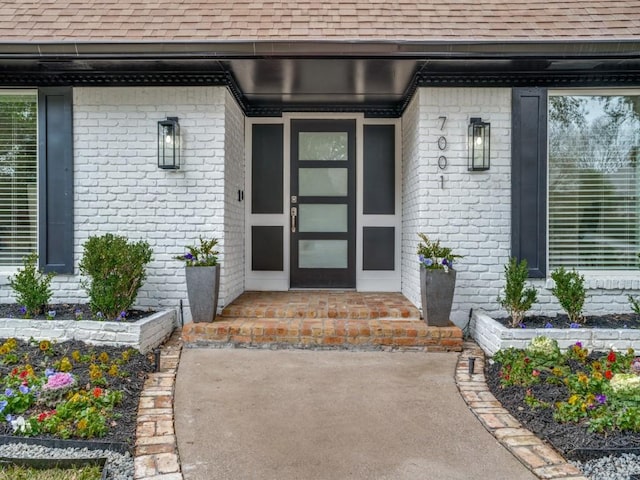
(479, 144)
(169, 144)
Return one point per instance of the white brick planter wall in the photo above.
(493, 336)
(143, 335)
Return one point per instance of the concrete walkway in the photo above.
(307, 415)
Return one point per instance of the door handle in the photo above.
(294, 215)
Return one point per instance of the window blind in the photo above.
(18, 177)
(594, 182)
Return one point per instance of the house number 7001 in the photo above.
(442, 144)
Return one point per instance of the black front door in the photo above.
(323, 204)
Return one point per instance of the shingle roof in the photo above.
(420, 20)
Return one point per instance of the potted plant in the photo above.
(202, 272)
(437, 281)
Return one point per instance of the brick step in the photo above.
(339, 312)
(323, 333)
(321, 305)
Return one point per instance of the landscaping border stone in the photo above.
(492, 336)
(144, 334)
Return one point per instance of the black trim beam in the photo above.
(27, 77)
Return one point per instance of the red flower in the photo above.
(527, 360)
(611, 357)
(23, 374)
(535, 373)
(42, 417)
(14, 371)
(608, 374)
(97, 392)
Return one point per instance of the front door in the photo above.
(323, 213)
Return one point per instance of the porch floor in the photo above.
(322, 319)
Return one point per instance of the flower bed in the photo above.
(492, 336)
(586, 404)
(144, 334)
(70, 390)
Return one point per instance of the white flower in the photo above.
(19, 425)
(625, 383)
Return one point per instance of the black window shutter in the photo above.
(55, 179)
(529, 178)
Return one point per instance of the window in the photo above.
(594, 181)
(18, 176)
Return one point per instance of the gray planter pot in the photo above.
(436, 288)
(203, 287)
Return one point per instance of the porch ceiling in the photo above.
(377, 78)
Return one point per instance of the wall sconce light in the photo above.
(479, 143)
(169, 144)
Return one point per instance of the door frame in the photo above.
(382, 281)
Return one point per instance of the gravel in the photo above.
(611, 468)
(119, 466)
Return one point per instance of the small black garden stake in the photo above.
(472, 364)
(156, 358)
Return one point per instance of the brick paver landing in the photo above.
(323, 319)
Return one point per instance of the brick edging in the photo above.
(539, 457)
(156, 453)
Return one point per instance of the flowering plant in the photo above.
(599, 391)
(202, 255)
(433, 256)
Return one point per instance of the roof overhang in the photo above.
(273, 76)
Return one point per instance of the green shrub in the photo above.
(31, 286)
(517, 299)
(116, 271)
(570, 292)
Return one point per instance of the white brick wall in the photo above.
(232, 275)
(144, 334)
(413, 198)
(493, 336)
(472, 213)
(119, 188)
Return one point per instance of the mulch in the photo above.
(68, 311)
(621, 320)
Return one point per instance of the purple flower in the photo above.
(445, 262)
(3, 405)
(8, 392)
(421, 258)
(579, 344)
(123, 314)
(601, 399)
(49, 371)
(548, 325)
(522, 325)
(24, 389)
(59, 380)
(428, 262)
(188, 256)
(23, 310)
(9, 417)
(575, 325)
(635, 365)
